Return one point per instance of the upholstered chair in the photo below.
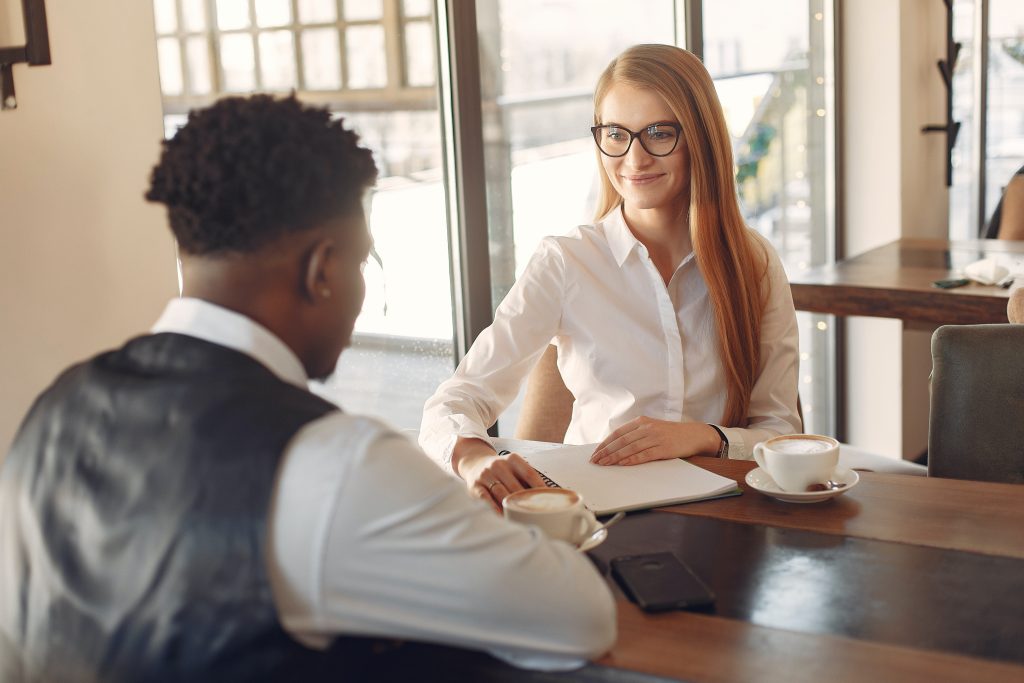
(976, 422)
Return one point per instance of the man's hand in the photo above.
(645, 439)
(489, 476)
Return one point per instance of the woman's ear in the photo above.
(321, 261)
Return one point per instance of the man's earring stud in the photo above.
(325, 293)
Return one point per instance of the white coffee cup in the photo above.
(796, 461)
(559, 513)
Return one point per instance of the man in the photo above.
(183, 508)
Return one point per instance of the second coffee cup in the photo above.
(796, 461)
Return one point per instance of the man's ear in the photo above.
(321, 260)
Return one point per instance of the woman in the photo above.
(674, 322)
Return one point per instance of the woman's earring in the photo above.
(325, 293)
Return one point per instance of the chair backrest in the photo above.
(976, 422)
(547, 406)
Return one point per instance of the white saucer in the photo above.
(592, 542)
(761, 481)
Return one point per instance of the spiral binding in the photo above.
(547, 480)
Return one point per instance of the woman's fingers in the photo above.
(605, 453)
(479, 490)
(525, 472)
(503, 476)
(645, 439)
(629, 449)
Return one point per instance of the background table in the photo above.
(895, 281)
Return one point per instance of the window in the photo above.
(359, 53)
(772, 66)
(538, 83)
(988, 92)
(373, 62)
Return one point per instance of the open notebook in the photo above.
(610, 489)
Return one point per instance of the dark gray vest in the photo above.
(133, 508)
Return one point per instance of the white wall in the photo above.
(85, 262)
(894, 186)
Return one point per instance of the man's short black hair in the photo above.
(248, 170)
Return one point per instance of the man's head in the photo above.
(264, 197)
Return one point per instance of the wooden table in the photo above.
(895, 281)
(970, 521)
(897, 535)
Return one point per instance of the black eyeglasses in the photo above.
(657, 139)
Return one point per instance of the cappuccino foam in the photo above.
(545, 501)
(800, 446)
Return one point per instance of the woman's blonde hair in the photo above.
(732, 262)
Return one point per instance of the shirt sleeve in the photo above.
(489, 377)
(773, 400)
(369, 537)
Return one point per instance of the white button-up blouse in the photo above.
(628, 346)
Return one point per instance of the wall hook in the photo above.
(35, 51)
(946, 68)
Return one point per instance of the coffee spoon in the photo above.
(827, 486)
(615, 518)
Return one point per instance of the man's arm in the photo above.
(370, 537)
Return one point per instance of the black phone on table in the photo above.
(659, 581)
(951, 283)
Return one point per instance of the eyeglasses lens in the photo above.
(658, 140)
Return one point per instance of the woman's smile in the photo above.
(642, 178)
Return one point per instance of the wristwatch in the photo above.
(723, 448)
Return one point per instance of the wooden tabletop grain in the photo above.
(885, 516)
(971, 516)
(939, 513)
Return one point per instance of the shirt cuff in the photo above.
(440, 444)
(738, 447)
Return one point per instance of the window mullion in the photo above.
(255, 37)
(458, 60)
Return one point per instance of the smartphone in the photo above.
(951, 284)
(659, 581)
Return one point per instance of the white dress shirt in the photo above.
(368, 537)
(628, 346)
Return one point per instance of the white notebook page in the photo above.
(608, 489)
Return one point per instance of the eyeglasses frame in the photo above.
(633, 136)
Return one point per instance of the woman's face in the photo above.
(644, 181)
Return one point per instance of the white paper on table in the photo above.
(611, 489)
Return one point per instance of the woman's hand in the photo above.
(645, 439)
(489, 476)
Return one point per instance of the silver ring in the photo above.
(490, 487)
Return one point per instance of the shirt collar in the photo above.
(217, 325)
(621, 240)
